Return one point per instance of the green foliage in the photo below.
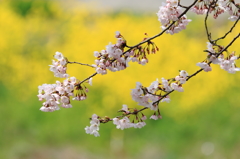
(27, 7)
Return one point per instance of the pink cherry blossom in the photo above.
(139, 125)
(168, 13)
(59, 67)
(94, 127)
(125, 108)
(153, 87)
(205, 66)
(154, 117)
(166, 85)
(59, 93)
(176, 87)
(122, 123)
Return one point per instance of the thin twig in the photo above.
(228, 31)
(88, 78)
(205, 21)
(80, 64)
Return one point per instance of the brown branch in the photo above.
(87, 78)
(228, 31)
(213, 4)
(182, 6)
(80, 64)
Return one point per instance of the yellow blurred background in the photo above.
(201, 122)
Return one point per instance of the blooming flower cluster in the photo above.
(143, 97)
(120, 122)
(228, 63)
(156, 117)
(148, 97)
(59, 93)
(168, 13)
(114, 58)
(125, 123)
(54, 94)
(219, 7)
(231, 7)
(201, 7)
(94, 127)
(59, 67)
(205, 66)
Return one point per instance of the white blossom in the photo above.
(94, 127)
(59, 67)
(205, 66)
(168, 13)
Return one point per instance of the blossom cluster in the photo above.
(59, 67)
(150, 96)
(120, 122)
(232, 8)
(217, 7)
(111, 58)
(54, 94)
(169, 12)
(125, 123)
(94, 127)
(60, 93)
(115, 59)
(226, 63)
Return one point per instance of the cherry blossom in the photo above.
(139, 125)
(166, 85)
(168, 13)
(205, 66)
(154, 117)
(166, 99)
(122, 123)
(201, 7)
(94, 127)
(148, 97)
(125, 123)
(112, 58)
(229, 64)
(153, 87)
(177, 87)
(125, 108)
(144, 99)
(115, 59)
(60, 93)
(59, 67)
(231, 7)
